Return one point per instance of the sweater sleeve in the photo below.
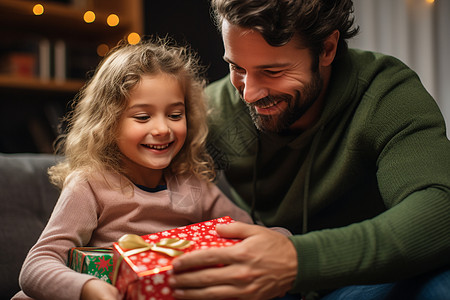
(408, 239)
(405, 137)
(44, 274)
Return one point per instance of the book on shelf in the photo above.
(19, 64)
(60, 60)
(45, 59)
(18, 58)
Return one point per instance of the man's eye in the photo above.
(272, 73)
(236, 69)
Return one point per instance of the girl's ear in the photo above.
(329, 49)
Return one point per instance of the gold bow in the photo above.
(134, 244)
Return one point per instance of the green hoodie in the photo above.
(365, 191)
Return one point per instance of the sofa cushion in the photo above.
(26, 201)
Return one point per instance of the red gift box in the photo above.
(141, 272)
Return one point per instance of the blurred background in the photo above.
(415, 31)
(49, 49)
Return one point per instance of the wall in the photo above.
(415, 31)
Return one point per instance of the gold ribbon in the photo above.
(134, 244)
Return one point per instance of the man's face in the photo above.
(277, 83)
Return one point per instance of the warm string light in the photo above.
(134, 38)
(430, 1)
(102, 50)
(89, 16)
(112, 20)
(38, 9)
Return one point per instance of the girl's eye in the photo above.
(177, 116)
(141, 117)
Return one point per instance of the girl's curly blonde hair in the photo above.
(89, 142)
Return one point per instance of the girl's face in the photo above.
(152, 129)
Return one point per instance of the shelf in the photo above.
(35, 84)
(57, 44)
(62, 20)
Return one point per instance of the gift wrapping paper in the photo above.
(92, 260)
(144, 275)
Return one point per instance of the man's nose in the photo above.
(253, 89)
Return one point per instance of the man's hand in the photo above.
(262, 266)
(96, 289)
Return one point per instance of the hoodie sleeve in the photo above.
(403, 136)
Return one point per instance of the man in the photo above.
(344, 148)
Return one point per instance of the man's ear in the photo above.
(329, 49)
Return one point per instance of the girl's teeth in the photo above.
(158, 147)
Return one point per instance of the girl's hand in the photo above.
(97, 289)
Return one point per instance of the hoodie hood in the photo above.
(268, 172)
(338, 98)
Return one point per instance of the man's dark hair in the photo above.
(279, 20)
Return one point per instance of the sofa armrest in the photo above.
(26, 201)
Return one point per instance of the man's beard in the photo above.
(297, 107)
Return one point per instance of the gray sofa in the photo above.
(26, 202)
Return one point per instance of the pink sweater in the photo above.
(96, 213)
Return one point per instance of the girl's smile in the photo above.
(157, 147)
(152, 130)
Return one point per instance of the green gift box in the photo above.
(94, 261)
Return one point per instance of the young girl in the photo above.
(135, 162)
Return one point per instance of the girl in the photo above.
(135, 162)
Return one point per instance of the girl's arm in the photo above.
(44, 273)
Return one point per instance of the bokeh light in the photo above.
(38, 9)
(112, 20)
(89, 16)
(134, 38)
(102, 49)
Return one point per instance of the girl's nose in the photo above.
(159, 127)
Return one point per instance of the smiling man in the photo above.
(279, 84)
(345, 148)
